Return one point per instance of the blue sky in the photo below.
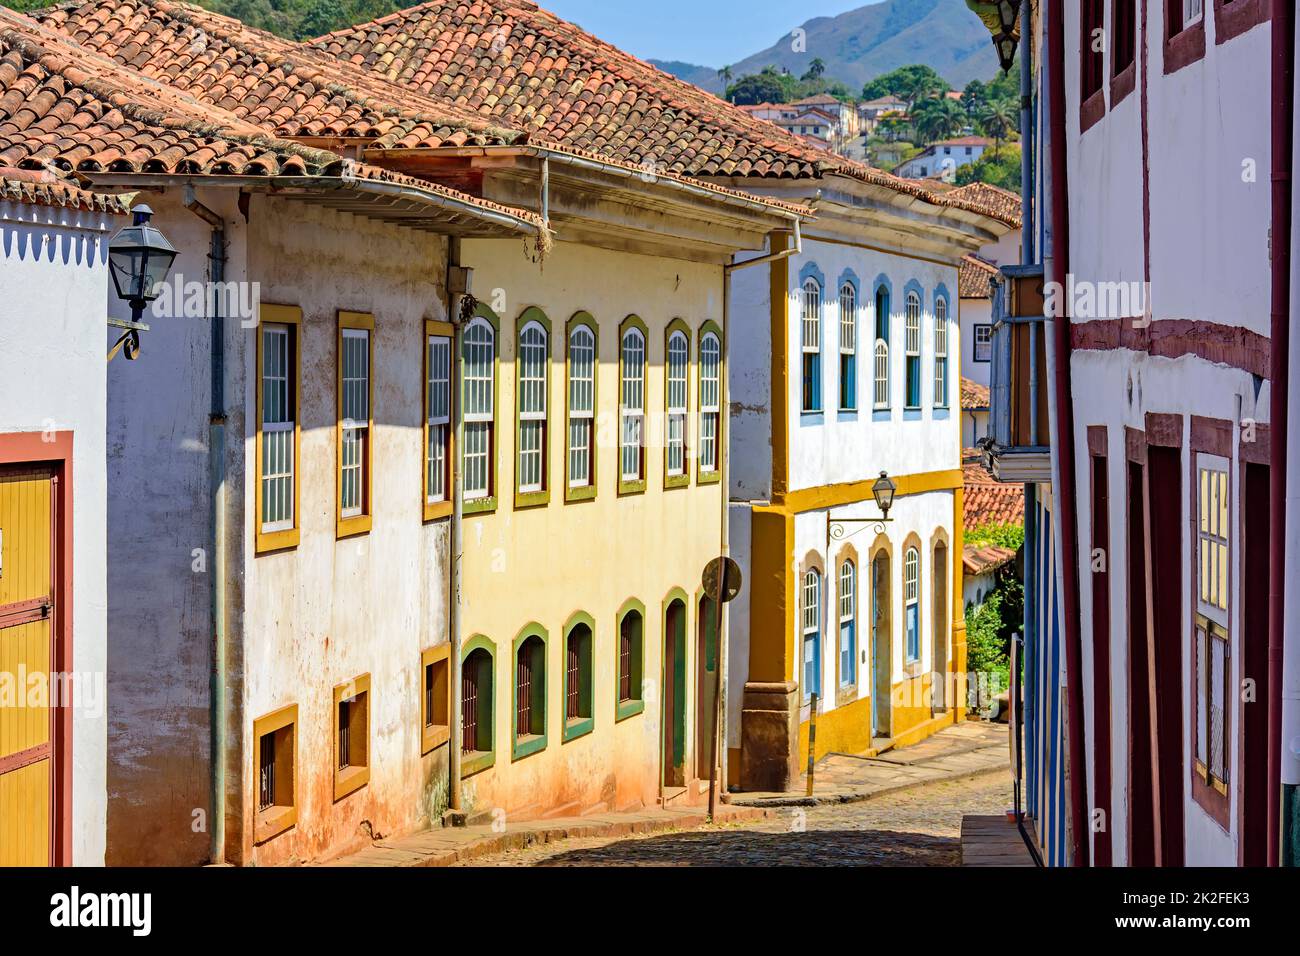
(709, 32)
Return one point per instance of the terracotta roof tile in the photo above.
(974, 396)
(988, 502)
(285, 88)
(41, 188)
(526, 68)
(990, 557)
(66, 109)
(1003, 203)
(973, 277)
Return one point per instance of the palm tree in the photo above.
(724, 75)
(936, 119)
(998, 119)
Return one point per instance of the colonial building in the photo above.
(944, 158)
(1161, 653)
(53, 491)
(809, 438)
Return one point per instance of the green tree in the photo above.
(815, 69)
(997, 119)
(911, 83)
(997, 167)
(725, 75)
(765, 87)
(936, 119)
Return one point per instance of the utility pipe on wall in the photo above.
(1282, 50)
(217, 710)
(455, 547)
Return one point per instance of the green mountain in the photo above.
(861, 44)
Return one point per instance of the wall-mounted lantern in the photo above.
(883, 491)
(1002, 17)
(139, 258)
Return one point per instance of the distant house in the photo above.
(812, 122)
(844, 114)
(944, 157)
(985, 503)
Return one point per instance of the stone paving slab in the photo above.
(445, 847)
(965, 750)
(993, 841)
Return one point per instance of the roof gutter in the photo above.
(773, 256)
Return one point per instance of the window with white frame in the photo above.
(912, 350)
(438, 410)
(531, 466)
(279, 392)
(848, 623)
(811, 347)
(983, 343)
(881, 356)
(355, 412)
(848, 346)
(812, 617)
(675, 389)
(912, 602)
(632, 407)
(1213, 625)
(1193, 10)
(710, 401)
(582, 405)
(941, 353)
(480, 408)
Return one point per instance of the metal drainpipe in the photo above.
(724, 469)
(1283, 133)
(217, 711)
(456, 547)
(1026, 141)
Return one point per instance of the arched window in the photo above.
(811, 338)
(582, 406)
(812, 616)
(480, 408)
(912, 350)
(533, 354)
(476, 703)
(631, 626)
(675, 390)
(578, 715)
(881, 357)
(710, 401)
(632, 409)
(941, 353)
(848, 346)
(530, 692)
(912, 602)
(848, 623)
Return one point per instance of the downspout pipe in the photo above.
(1026, 142)
(794, 250)
(1058, 268)
(1280, 698)
(456, 545)
(217, 708)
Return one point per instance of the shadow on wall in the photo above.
(52, 242)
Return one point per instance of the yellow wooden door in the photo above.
(26, 606)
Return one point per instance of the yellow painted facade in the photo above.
(534, 563)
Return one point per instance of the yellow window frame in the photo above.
(356, 524)
(266, 542)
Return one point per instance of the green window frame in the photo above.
(581, 401)
(483, 652)
(579, 676)
(528, 656)
(532, 409)
(629, 660)
(709, 402)
(632, 395)
(480, 394)
(677, 403)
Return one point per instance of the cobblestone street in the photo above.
(918, 827)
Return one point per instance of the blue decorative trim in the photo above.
(940, 414)
(911, 414)
(851, 277)
(941, 292)
(882, 415)
(810, 269)
(882, 282)
(913, 286)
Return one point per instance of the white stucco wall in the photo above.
(53, 284)
(834, 447)
(974, 312)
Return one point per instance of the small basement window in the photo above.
(274, 740)
(435, 697)
(351, 736)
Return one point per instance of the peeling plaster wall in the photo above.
(331, 610)
(543, 564)
(53, 281)
(159, 606)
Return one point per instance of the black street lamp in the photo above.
(883, 491)
(1002, 17)
(139, 258)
